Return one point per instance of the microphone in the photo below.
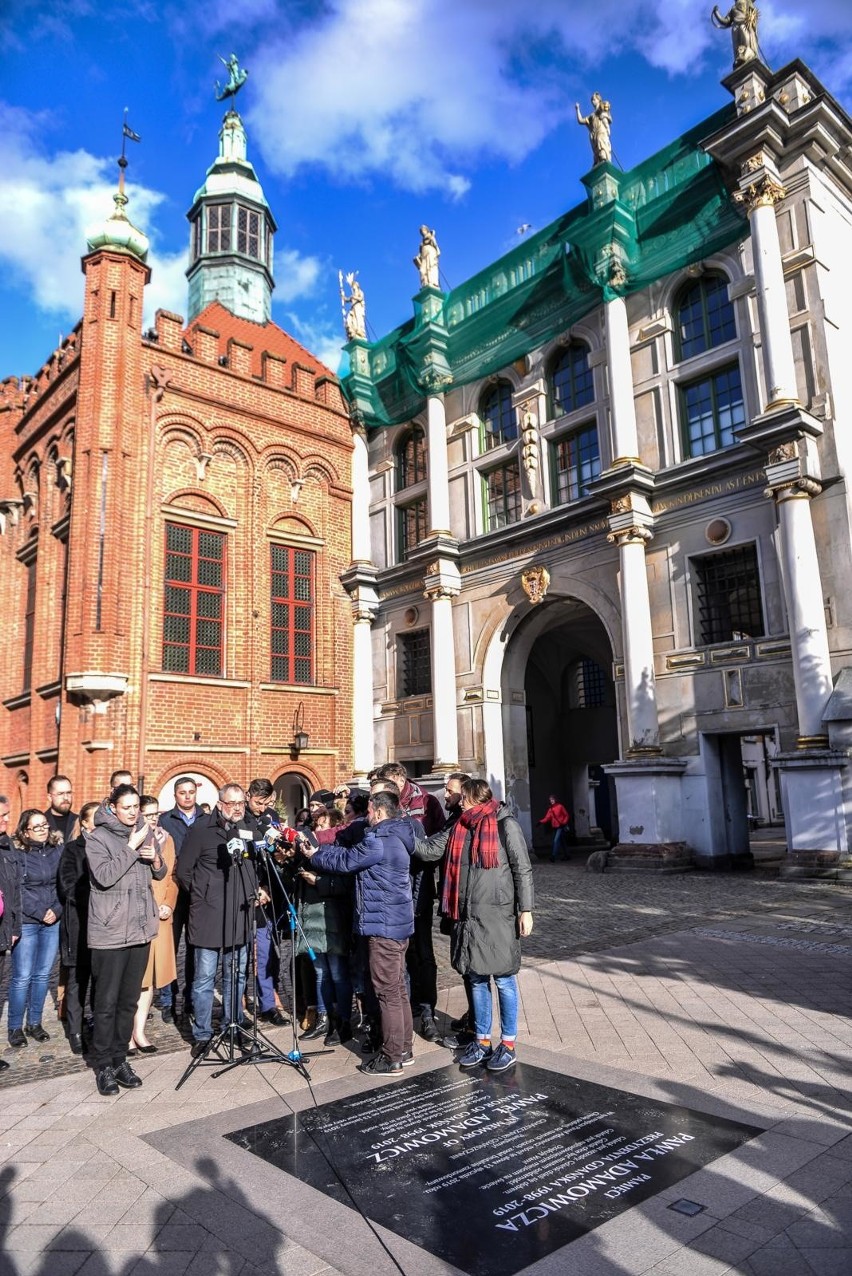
(236, 845)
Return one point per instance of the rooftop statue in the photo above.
(742, 19)
(426, 260)
(355, 318)
(599, 124)
(237, 77)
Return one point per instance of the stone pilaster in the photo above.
(441, 585)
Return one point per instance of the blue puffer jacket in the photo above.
(383, 883)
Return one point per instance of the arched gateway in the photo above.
(557, 724)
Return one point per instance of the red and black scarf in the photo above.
(481, 823)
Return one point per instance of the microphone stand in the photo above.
(295, 1056)
(234, 1045)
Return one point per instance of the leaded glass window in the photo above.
(194, 603)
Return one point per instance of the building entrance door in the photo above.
(559, 722)
(742, 789)
(291, 794)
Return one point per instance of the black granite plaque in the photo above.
(492, 1172)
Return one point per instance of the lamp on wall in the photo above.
(300, 735)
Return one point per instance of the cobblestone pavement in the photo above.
(725, 994)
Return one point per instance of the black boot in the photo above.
(332, 1036)
(320, 1028)
(428, 1028)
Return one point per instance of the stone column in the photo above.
(359, 580)
(438, 472)
(805, 608)
(361, 547)
(442, 586)
(643, 728)
(790, 468)
(363, 737)
(625, 445)
(779, 367)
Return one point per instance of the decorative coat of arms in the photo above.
(535, 581)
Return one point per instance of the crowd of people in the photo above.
(324, 921)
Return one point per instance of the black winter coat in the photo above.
(10, 885)
(221, 892)
(74, 886)
(485, 939)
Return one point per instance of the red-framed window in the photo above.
(194, 608)
(293, 614)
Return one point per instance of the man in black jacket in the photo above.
(262, 819)
(59, 815)
(177, 822)
(222, 888)
(10, 886)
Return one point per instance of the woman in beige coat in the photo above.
(161, 968)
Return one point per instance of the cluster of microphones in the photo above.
(241, 845)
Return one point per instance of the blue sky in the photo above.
(365, 119)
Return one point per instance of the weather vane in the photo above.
(126, 132)
(237, 77)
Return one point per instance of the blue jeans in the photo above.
(559, 842)
(32, 961)
(334, 985)
(507, 996)
(206, 962)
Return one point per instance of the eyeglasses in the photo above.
(38, 828)
(151, 815)
(228, 805)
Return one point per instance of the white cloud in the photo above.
(418, 91)
(50, 202)
(295, 275)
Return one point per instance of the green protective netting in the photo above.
(672, 210)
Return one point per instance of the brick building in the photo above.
(174, 520)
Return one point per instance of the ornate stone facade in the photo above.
(674, 686)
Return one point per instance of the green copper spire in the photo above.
(232, 227)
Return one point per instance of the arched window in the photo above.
(499, 419)
(704, 316)
(411, 458)
(571, 381)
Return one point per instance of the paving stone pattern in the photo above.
(652, 983)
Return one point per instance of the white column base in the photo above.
(816, 792)
(650, 816)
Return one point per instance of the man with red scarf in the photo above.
(488, 894)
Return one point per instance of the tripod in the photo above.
(235, 1045)
(295, 1055)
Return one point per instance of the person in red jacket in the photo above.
(558, 819)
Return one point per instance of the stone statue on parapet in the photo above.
(355, 318)
(426, 260)
(742, 18)
(237, 77)
(599, 124)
